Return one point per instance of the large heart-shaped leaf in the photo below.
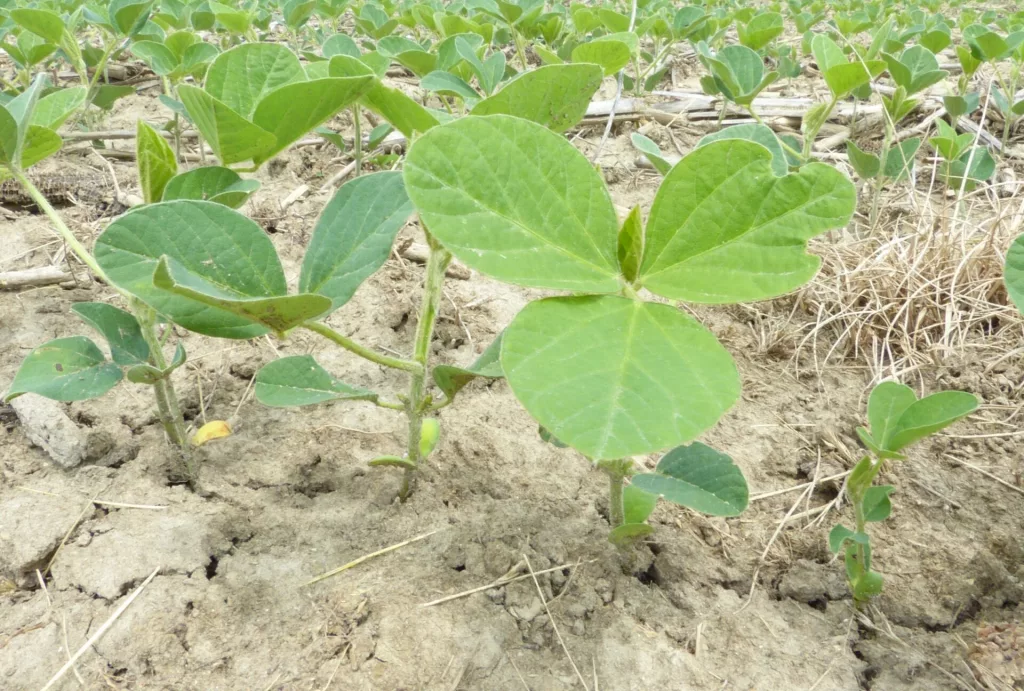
(555, 96)
(354, 234)
(212, 183)
(66, 369)
(206, 239)
(232, 138)
(299, 380)
(451, 379)
(700, 478)
(243, 76)
(516, 201)
(725, 228)
(614, 377)
(294, 109)
(121, 329)
(279, 313)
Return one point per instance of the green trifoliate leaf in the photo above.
(279, 313)
(915, 69)
(841, 76)
(43, 23)
(899, 162)
(555, 96)
(232, 138)
(120, 328)
(129, 16)
(407, 116)
(451, 379)
(516, 201)
(157, 163)
(700, 478)
(211, 183)
(66, 369)
(243, 76)
(53, 109)
(724, 228)
(610, 55)
(448, 84)
(651, 152)
(206, 239)
(299, 380)
(354, 234)
(614, 377)
(757, 133)
(867, 165)
(738, 72)
(976, 165)
(876, 504)
(294, 109)
(158, 56)
(761, 30)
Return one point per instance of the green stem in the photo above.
(58, 224)
(520, 50)
(415, 403)
(101, 66)
(166, 398)
(617, 471)
(810, 136)
(358, 152)
(879, 181)
(361, 350)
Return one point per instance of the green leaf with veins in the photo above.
(53, 109)
(211, 183)
(66, 369)
(700, 478)
(610, 55)
(886, 404)
(876, 504)
(724, 228)
(354, 234)
(299, 380)
(555, 96)
(232, 138)
(551, 224)
(587, 369)
(244, 75)
(120, 328)
(757, 133)
(206, 239)
(294, 109)
(279, 313)
(157, 163)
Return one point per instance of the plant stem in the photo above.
(616, 470)
(415, 404)
(58, 224)
(101, 66)
(879, 181)
(358, 152)
(166, 398)
(362, 351)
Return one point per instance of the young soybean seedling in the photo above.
(604, 370)
(897, 419)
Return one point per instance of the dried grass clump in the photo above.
(924, 286)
